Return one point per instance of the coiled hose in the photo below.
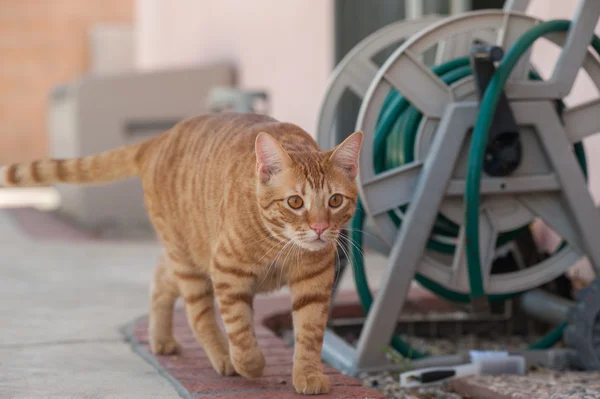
(394, 145)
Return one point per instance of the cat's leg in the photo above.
(198, 296)
(163, 295)
(311, 287)
(234, 285)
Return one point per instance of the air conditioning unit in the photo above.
(101, 112)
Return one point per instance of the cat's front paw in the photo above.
(165, 346)
(311, 383)
(222, 365)
(248, 363)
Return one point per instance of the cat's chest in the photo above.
(273, 280)
(276, 270)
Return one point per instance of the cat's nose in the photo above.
(319, 227)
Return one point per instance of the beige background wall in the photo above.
(283, 46)
(42, 43)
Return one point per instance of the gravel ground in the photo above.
(388, 382)
(544, 384)
(538, 384)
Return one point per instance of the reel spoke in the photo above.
(582, 121)
(572, 58)
(488, 235)
(579, 36)
(552, 210)
(451, 49)
(512, 29)
(391, 189)
(359, 75)
(459, 276)
(419, 85)
(511, 185)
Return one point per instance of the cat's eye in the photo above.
(295, 202)
(335, 200)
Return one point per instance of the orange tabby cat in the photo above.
(243, 204)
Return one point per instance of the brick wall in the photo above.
(43, 43)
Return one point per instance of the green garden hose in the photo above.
(394, 145)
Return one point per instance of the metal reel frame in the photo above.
(387, 191)
(565, 205)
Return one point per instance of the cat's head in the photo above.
(307, 197)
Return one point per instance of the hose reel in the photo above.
(427, 140)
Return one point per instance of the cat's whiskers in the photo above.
(297, 263)
(284, 263)
(273, 263)
(287, 254)
(351, 229)
(348, 257)
(271, 266)
(354, 244)
(266, 253)
(299, 260)
(350, 253)
(337, 265)
(298, 251)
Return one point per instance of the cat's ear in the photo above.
(271, 158)
(345, 155)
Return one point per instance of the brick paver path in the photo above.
(193, 375)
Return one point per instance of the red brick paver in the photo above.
(193, 372)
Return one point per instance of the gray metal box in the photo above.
(98, 113)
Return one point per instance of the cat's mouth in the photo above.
(314, 243)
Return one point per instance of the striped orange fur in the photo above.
(243, 204)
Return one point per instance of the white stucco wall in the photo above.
(283, 46)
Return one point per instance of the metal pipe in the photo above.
(545, 307)
(414, 9)
(460, 6)
(516, 5)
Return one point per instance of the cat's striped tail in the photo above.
(104, 167)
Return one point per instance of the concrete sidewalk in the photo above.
(61, 307)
